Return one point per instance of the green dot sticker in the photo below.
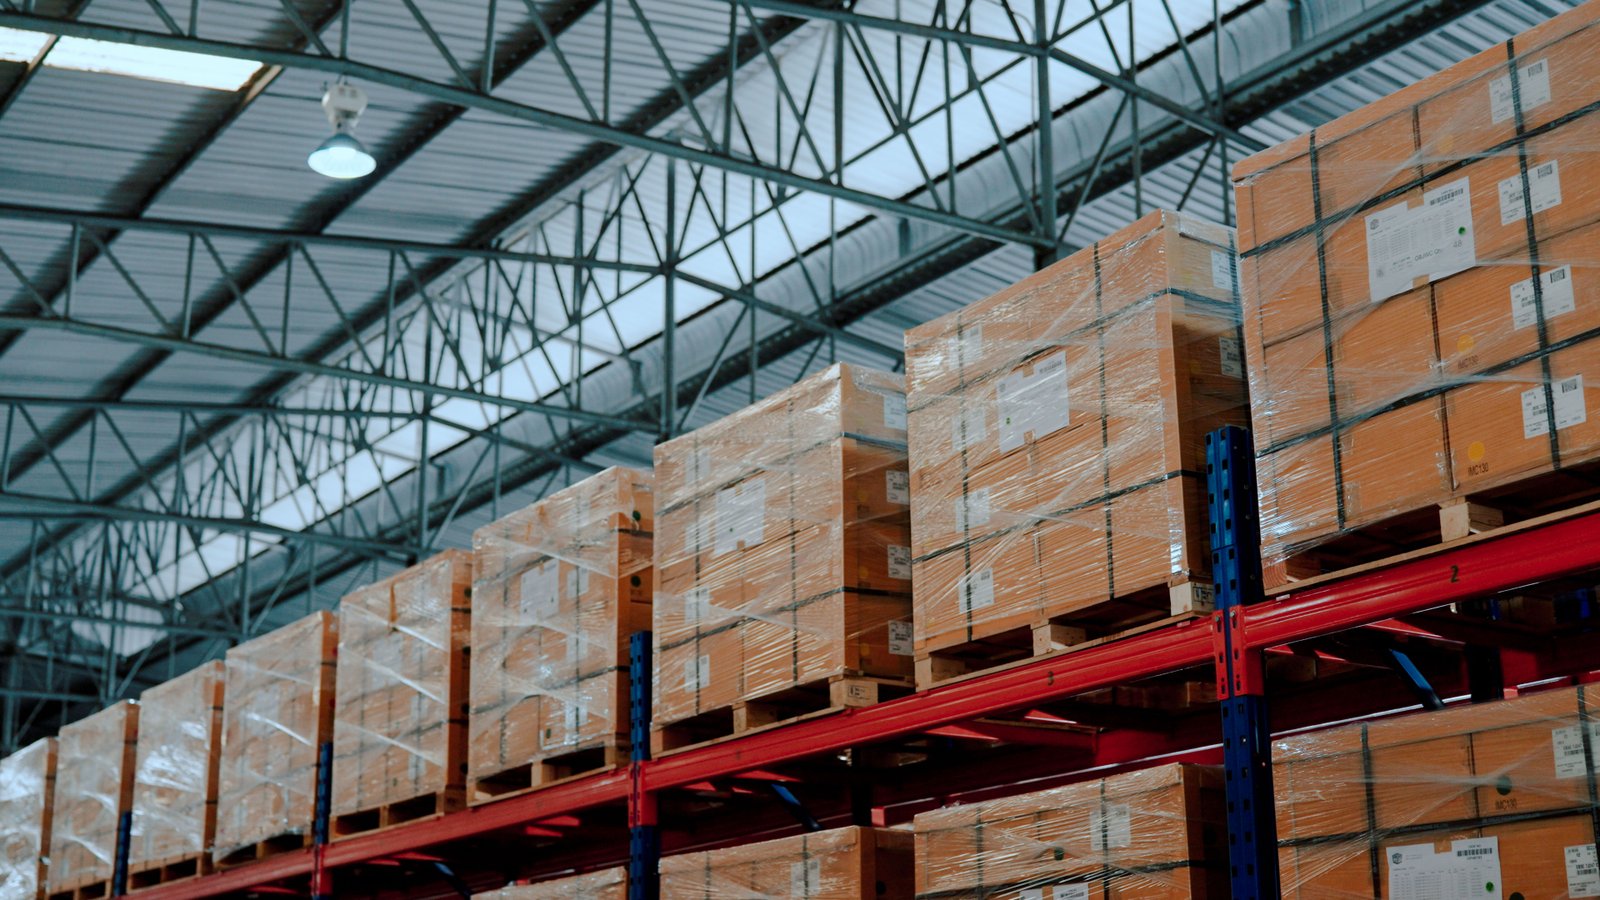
(1488, 887)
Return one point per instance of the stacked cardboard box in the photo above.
(606, 884)
(1057, 434)
(399, 729)
(1495, 800)
(175, 775)
(27, 793)
(842, 864)
(278, 715)
(94, 787)
(1413, 333)
(784, 550)
(1153, 833)
(558, 589)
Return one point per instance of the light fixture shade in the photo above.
(341, 156)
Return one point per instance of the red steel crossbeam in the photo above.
(1474, 569)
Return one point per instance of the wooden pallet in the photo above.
(1451, 523)
(389, 815)
(154, 872)
(819, 698)
(595, 756)
(263, 849)
(88, 890)
(1108, 620)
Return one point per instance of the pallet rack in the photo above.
(629, 813)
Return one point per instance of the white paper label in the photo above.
(974, 591)
(573, 716)
(1033, 403)
(805, 878)
(894, 412)
(972, 511)
(700, 466)
(1555, 290)
(1568, 745)
(1432, 240)
(580, 578)
(1583, 871)
(696, 673)
(1470, 868)
(1570, 409)
(902, 638)
(741, 512)
(1222, 270)
(968, 345)
(1232, 359)
(1544, 189)
(540, 588)
(966, 428)
(575, 644)
(900, 562)
(1057, 892)
(1111, 827)
(1533, 82)
(897, 487)
(697, 605)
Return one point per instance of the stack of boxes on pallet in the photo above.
(278, 715)
(400, 708)
(175, 775)
(1057, 446)
(558, 589)
(1419, 286)
(1494, 800)
(27, 795)
(93, 791)
(843, 864)
(783, 562)
(606, 884)
(1158, 832)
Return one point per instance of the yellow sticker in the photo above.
(862, 571)
(1476, 451)
(1465, 343)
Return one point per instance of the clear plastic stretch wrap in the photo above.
(1421, 283)
(1491, 800)
(558, 588)
(843, 864)
(279, 713)
(94, 787)
(783, 559)
(175, 773)
(1057, 438)
(1154, 833)
(606, 884)
(399, 727)
(27, 792)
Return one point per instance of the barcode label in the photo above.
(1583, 871)
(1470, 868)
(900, 562)
(902, 638)
(1555, 293)
(897, 487)
(975, 591)
(1533, 84)
(1543, 191)
(1570, 408)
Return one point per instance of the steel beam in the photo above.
(10, 611)
(473, 99)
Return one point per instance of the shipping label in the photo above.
(894, 412)
(1111, 827)
(540, 590)
(1555, 290)
(805, 878)
(1222, 270)
(900, 562)
(1533, 83)
(1568, 745)
(902, 638)
(1570, 408)
(974, 591)
(1544, 190)
(1583, 871)
(1232, 358)
(967, 428)
(741, 514)
(897, 487)
(1057, 892)
(1470, 868)
(1033, 403)
(1432, 240)
(697, 673)
(972, 511)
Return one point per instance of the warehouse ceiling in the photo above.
(234, 388)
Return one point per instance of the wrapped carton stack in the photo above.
(279, 713)
(1057, 446)
(1420, 287)
(94, 788)
(842, 864)
(175, 778)
(783, 565)
(1157, 833)
(606, 884)
(558, 589)
(400, 715)
(27, 792)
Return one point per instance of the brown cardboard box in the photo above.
(842, 864)
(558, 588)
(399, 731)
(279, 712)
(94, 787)
(27, 793)
(1417, 281)
(786, 548)
(606, 884)
(1152, 833)
(175, 774)
(1113, 366)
